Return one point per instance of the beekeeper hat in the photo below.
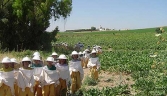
(74, 53)
(100, 47)
(36, 57)
(36, 54)
(6, 60)
(93, 51)
(26, 59)
(54, 53)
(80, 53)
(86, 50)
(50, 59)
(62, 56)
(13, 60)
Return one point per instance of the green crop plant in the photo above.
(138, 53)
(131, 53)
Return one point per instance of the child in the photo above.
(76, 72)
(86, 58)
(14, 66)
(37, 71)
(38, 54)
(6, 78)
(81, 58)
(25, 78)
(49, 79)
(64, 73)
(98, 49)
(36, 61)
(55, 56)
(94, 65)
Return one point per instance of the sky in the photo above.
(114, 14)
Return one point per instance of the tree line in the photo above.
(81, 30)
(23, 22)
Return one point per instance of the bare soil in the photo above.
(107, 79)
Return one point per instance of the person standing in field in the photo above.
(98, 49)
(55, 56)
(49, 79)
(65, 79)
(76, 72)
(86, 57)
(14, 66)
(37, 62)
(38, 54)
(37, 66)
(6, 78)
(94, 65)
(25, 78)
(81, 58)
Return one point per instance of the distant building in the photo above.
(101, 28)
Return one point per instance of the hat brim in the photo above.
(62, 58)
(15, 62)
(37, 59)
(5, 62)
(49, 61)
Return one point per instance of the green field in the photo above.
(123, 51)
(129, 52)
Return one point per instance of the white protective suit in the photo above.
(64, 72)
(94, 62)
(8, 79)
(75, 66)
(25, 79)
(48, 77)
(37, 73)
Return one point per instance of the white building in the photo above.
(101, 28)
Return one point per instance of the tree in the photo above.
(27, 20)
(7, 24)
(93, 28)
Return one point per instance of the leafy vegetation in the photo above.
(23, 22)
(136, 52)
(106, 91)
(90, 81)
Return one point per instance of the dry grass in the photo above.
(2, 55)
(107, 79)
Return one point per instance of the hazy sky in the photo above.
(118, 14)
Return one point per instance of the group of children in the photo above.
(55, 78)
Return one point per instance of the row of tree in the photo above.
(81, 30)
(23, 22)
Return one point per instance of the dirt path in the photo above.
(107, 79)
